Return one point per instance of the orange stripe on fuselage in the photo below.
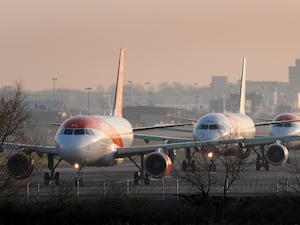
(234, 124)
(95, 123)
(287, 117)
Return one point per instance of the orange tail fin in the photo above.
(118, 104)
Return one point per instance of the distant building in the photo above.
(294, 83)
(150, 115)
(45, 105)
(219, 86)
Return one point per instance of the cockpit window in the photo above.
(78, 131)
(214, 127)
(88, 132)
(82, 131)
(210, 126)
(203, 127)
(284, 124)
(68, 131)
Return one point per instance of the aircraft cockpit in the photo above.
(80, 131)
(284, 124)
(210, 126)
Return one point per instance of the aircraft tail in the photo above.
(118, 103)
(242, 105)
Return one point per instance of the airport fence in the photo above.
(158, 189)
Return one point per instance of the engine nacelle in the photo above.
(158, 165)
(20, 165)
(277, 154)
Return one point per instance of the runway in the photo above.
(118, 180)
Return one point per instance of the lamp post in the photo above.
(196, 97)
(88, 94)
(130, 82)
(54, 79)
(147, 89)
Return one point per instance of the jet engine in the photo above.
(20, 165)
(277, 154)
(158, 165)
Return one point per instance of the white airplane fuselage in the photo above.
(222, 126)
(286, 128)
(93, 140)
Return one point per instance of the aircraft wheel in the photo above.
(210, 167)
(257, 165)
(184, 165)
(193, 166)
(267, 167)
(147, 180)
(46, 178)
(56, 178)
(136, 176)
(214, 168)
(78, 182)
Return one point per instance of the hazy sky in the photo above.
(188, 41)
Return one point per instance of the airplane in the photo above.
(93, 140)
(217, 127)
(282, 124)
(83, 140)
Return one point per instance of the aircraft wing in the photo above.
(161, 126)
(249, 142)
(34, 148)
(148, 138)
(274, 122)
(185, 130)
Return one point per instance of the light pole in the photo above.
(196, 97)
(88, 93)
(147, 89)
(130, 92)
(54, 79)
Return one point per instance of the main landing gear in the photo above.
(188, 163)
(141, 174)
(261, 160)
(52, 176)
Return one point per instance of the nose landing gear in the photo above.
(78, 179)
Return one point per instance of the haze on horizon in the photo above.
(78, 41)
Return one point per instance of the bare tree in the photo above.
(201, 177)
(13, 116)
(232, 167)
(13, 113)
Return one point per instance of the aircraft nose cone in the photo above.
(72, 150)
(282, 131)
(207, 136)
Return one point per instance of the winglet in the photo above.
(242, 106)
(118, 103)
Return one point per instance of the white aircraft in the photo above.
(86, 140)
(283, 124)
(105, 140)
(230, 127)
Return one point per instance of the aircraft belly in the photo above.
(100, 154)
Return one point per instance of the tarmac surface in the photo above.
(99, 182)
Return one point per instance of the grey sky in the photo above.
(185, 41)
